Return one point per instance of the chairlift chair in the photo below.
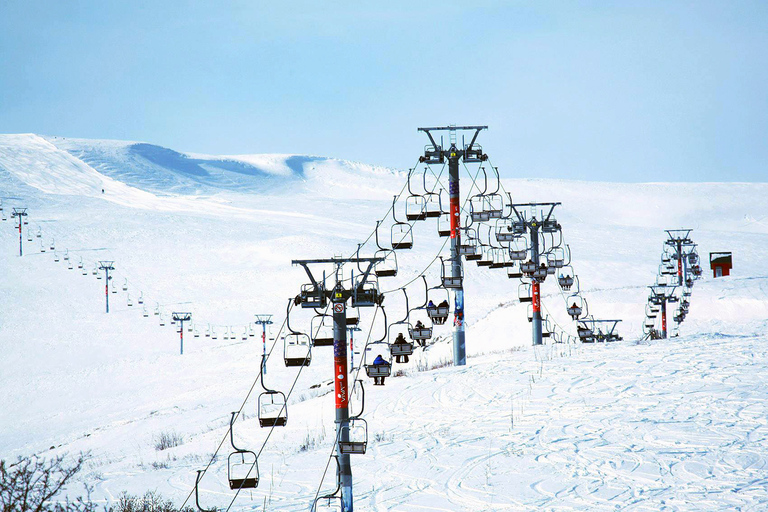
(56, 257)
(528, 267)
(401, 349)
(415, 208)
(402, 236)
(29, 236)
(273, 409)
(297, 350)
(499, 258)
(504, 233)
(524, 293)
(565, 282)
(66, 254)
(517, 255)
(242, 465)
(477, 210)
(387, 267)
(540, 274)
(433, 204)
(438, 314)
(366, 294)
(196, 332)
(39, 232)
(42, 247)
(125, 285)
(494, 205)
(144, 312)
(378, 372)
(129, 301)
(322, 334)
(312, 296)
(575, 306)
(486, 258)
(95, 270)
(80, 264)
(141, 298)
(162, 321)
(514, 272)
(357, 437)
(444, 225)
(448, 280)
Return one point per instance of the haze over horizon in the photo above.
(593, 91)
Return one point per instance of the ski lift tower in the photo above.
(435, 154)
(659, 296)
(316, 295)
(181, 318)
(20, 213)
(106, 266)
(544, 223)
(678, 238)
(264, 321)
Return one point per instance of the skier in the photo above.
(379, 361)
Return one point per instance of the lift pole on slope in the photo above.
(181, 318)
(264, 321)
(677, 239)
(106, 266)
(316, 295)
(534, 269)
(435, 154)
(660, 296)
(20, 213)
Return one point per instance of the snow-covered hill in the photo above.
(677, 424)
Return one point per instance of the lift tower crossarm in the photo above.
(521, 216)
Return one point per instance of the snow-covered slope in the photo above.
(627, 426)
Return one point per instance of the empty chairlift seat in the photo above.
(273, 409)
(297, 350)
(354, 438)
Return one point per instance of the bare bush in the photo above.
(169, 439)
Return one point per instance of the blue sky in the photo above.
(620, 91)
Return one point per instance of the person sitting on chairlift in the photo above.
(379, 361)
(419, 325)
(443, 304)
(431, 304)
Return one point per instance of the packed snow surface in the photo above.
(678, 424)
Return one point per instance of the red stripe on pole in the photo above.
(536, 297)
(342, 396)
(454, 217)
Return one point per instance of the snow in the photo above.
(675, 424)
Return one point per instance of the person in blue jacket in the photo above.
(379, 361)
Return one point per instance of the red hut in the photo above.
(720, 263)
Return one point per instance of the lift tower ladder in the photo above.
(338, 297)
(435, 154)
(533, 226)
